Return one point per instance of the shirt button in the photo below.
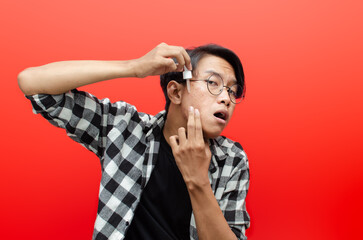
(127, 223)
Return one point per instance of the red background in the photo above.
(301, 122)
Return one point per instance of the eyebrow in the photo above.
(234, 81)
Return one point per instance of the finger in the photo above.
(184, 59)
(182, 136)
(187, 60)
(178, 54)
(180, 61)
(169, 65)
(191, 124)
(178, 68)
(173, 143)
(198, 126)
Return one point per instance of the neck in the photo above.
(174, 121)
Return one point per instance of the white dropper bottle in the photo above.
(187, 75)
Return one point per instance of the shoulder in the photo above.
(229, 150)
(227, 146)
(225, 142)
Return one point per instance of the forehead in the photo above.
(212, 64)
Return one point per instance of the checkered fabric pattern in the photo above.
(127, 143)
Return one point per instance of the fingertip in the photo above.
(197, 113)
(181, 129)
(172, 140)
(191, 109)
(179, 68)
(171, 64)
(188, 63)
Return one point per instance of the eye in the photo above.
(236, 91)
(232, 93)
(212, 82)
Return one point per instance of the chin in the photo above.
(211, 135)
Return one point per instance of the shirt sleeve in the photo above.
(233, 202)
(85, 118)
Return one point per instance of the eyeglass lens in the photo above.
(215, 86)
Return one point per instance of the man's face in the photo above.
(215, 111)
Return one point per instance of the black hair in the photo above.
(196, 54)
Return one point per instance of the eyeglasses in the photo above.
(215, 86)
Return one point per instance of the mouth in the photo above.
(223, 115)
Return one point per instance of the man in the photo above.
(169, 176)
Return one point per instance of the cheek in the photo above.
(200, 99)
(206, 118)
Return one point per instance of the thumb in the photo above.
(169, 64)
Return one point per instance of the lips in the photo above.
(222, 114)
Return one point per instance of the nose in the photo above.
(223, 97)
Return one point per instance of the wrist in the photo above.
(136, 68)
(198, 185)
(128, 68)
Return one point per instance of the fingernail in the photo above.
(191, 109)
(196, 112)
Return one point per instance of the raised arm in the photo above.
(60, 77)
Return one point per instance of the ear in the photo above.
(174, 90)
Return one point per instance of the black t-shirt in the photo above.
(164, 210)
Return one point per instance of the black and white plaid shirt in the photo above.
(127, 143)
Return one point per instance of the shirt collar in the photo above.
(155, 125)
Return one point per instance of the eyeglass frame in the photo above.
(224, 86)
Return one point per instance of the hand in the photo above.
(160, 61)
(192, 153)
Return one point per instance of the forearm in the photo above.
(209, 218)
(193, 155)
(60, 77)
